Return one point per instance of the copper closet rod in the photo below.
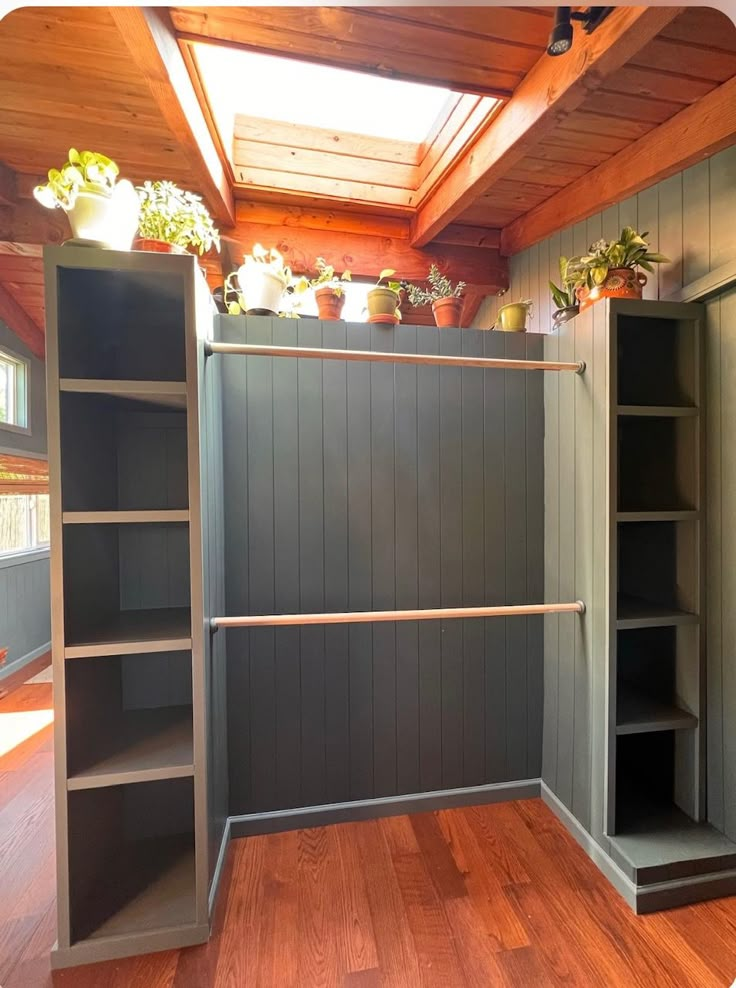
(369, 617)
(380, 357)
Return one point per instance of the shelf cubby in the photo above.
(121, 325)
(122, 454)
(656, 464)
(131, 859)
(131, 719)
(126, 583)
(657, 570)
(657, 361)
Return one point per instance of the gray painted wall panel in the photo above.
(689, 217)
(369, 487)
(25, 623)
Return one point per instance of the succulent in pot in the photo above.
(446, 301)
(102, 211)
(171, 220)
(328, 292)
(610, 269)
(383, 300)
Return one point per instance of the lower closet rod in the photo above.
(367, 617)
(381, 357)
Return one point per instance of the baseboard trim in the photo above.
(219, 868)
(15, 673)
(623, 885)
(250, 824)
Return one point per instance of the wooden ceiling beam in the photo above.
(8, 186)
(17, 319)
(695, 133)
(26, 226)
(367, 255)
(151, 40)
(552, 90)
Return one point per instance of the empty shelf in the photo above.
(686, 514)
(149, 885)
(171, 394)
(633, 612)
(640, 713)
(124, 517)
(161, 629)
(658, 411)
(143, 746)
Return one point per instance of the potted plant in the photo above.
(383, 301)
(610, 269)
(565, 296)
(447, 302)
(511, 318)
(101, 210)
(328, 292)
(170, 220)
(262, 280)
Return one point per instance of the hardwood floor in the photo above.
(488, 896)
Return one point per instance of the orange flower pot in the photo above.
(157, 246)
(448, 311)
(329, 303)
(619, 283)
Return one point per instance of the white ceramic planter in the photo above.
(260, 287)
(108, 220)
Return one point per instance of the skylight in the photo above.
(291, 91)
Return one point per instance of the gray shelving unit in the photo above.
(656, 733)
(135, 576)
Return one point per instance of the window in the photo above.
(24, 522)
(14, 379)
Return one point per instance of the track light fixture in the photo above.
(561, 37)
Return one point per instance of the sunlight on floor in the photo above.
(19, 726)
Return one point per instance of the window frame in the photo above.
(39, 549)
(22, 399)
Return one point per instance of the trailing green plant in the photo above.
(326, 277)
(564, 296)
(175, 216)
(631, 250)
(439, 286)
(85, 171)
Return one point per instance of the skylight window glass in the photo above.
(297, 92)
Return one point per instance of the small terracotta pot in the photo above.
(448, 311)
(329, 303)
(619, 283)
(382, 305)
(157, 246)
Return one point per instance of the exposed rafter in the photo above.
(553, 89)
(695, 133)
(27, 226)
(150, 37)
(18, 320)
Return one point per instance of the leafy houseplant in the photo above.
(446, 301)
(262, 280)
(610, 268)
(383, 300)
(565, 296)
(170, 220)
(328, 292)
(101, 210)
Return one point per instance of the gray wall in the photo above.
(690, 217)
(358, 486)
(25, 621)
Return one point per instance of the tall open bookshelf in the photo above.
(133, 583)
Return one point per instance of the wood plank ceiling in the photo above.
(101, 78)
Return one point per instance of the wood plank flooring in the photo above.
(482, 897)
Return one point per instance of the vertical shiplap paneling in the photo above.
(695, 222)
(670, 233)
(728, 568)
(648, 222)
(311, 565)
(287, 670)
(714, 565)
(25, 622)
(494, 524)
(517, 712)
(722, 226)
(409, 667)
(360, 573)
(384, 565)
(429, 563)
(337, 673)
(451, 565)
(473, 590)
(259, 396)
(534, 442)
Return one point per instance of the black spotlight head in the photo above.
(560, 40)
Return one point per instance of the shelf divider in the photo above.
(641, 713)
(165, 516)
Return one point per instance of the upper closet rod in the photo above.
(366, 617)
(379, 357)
